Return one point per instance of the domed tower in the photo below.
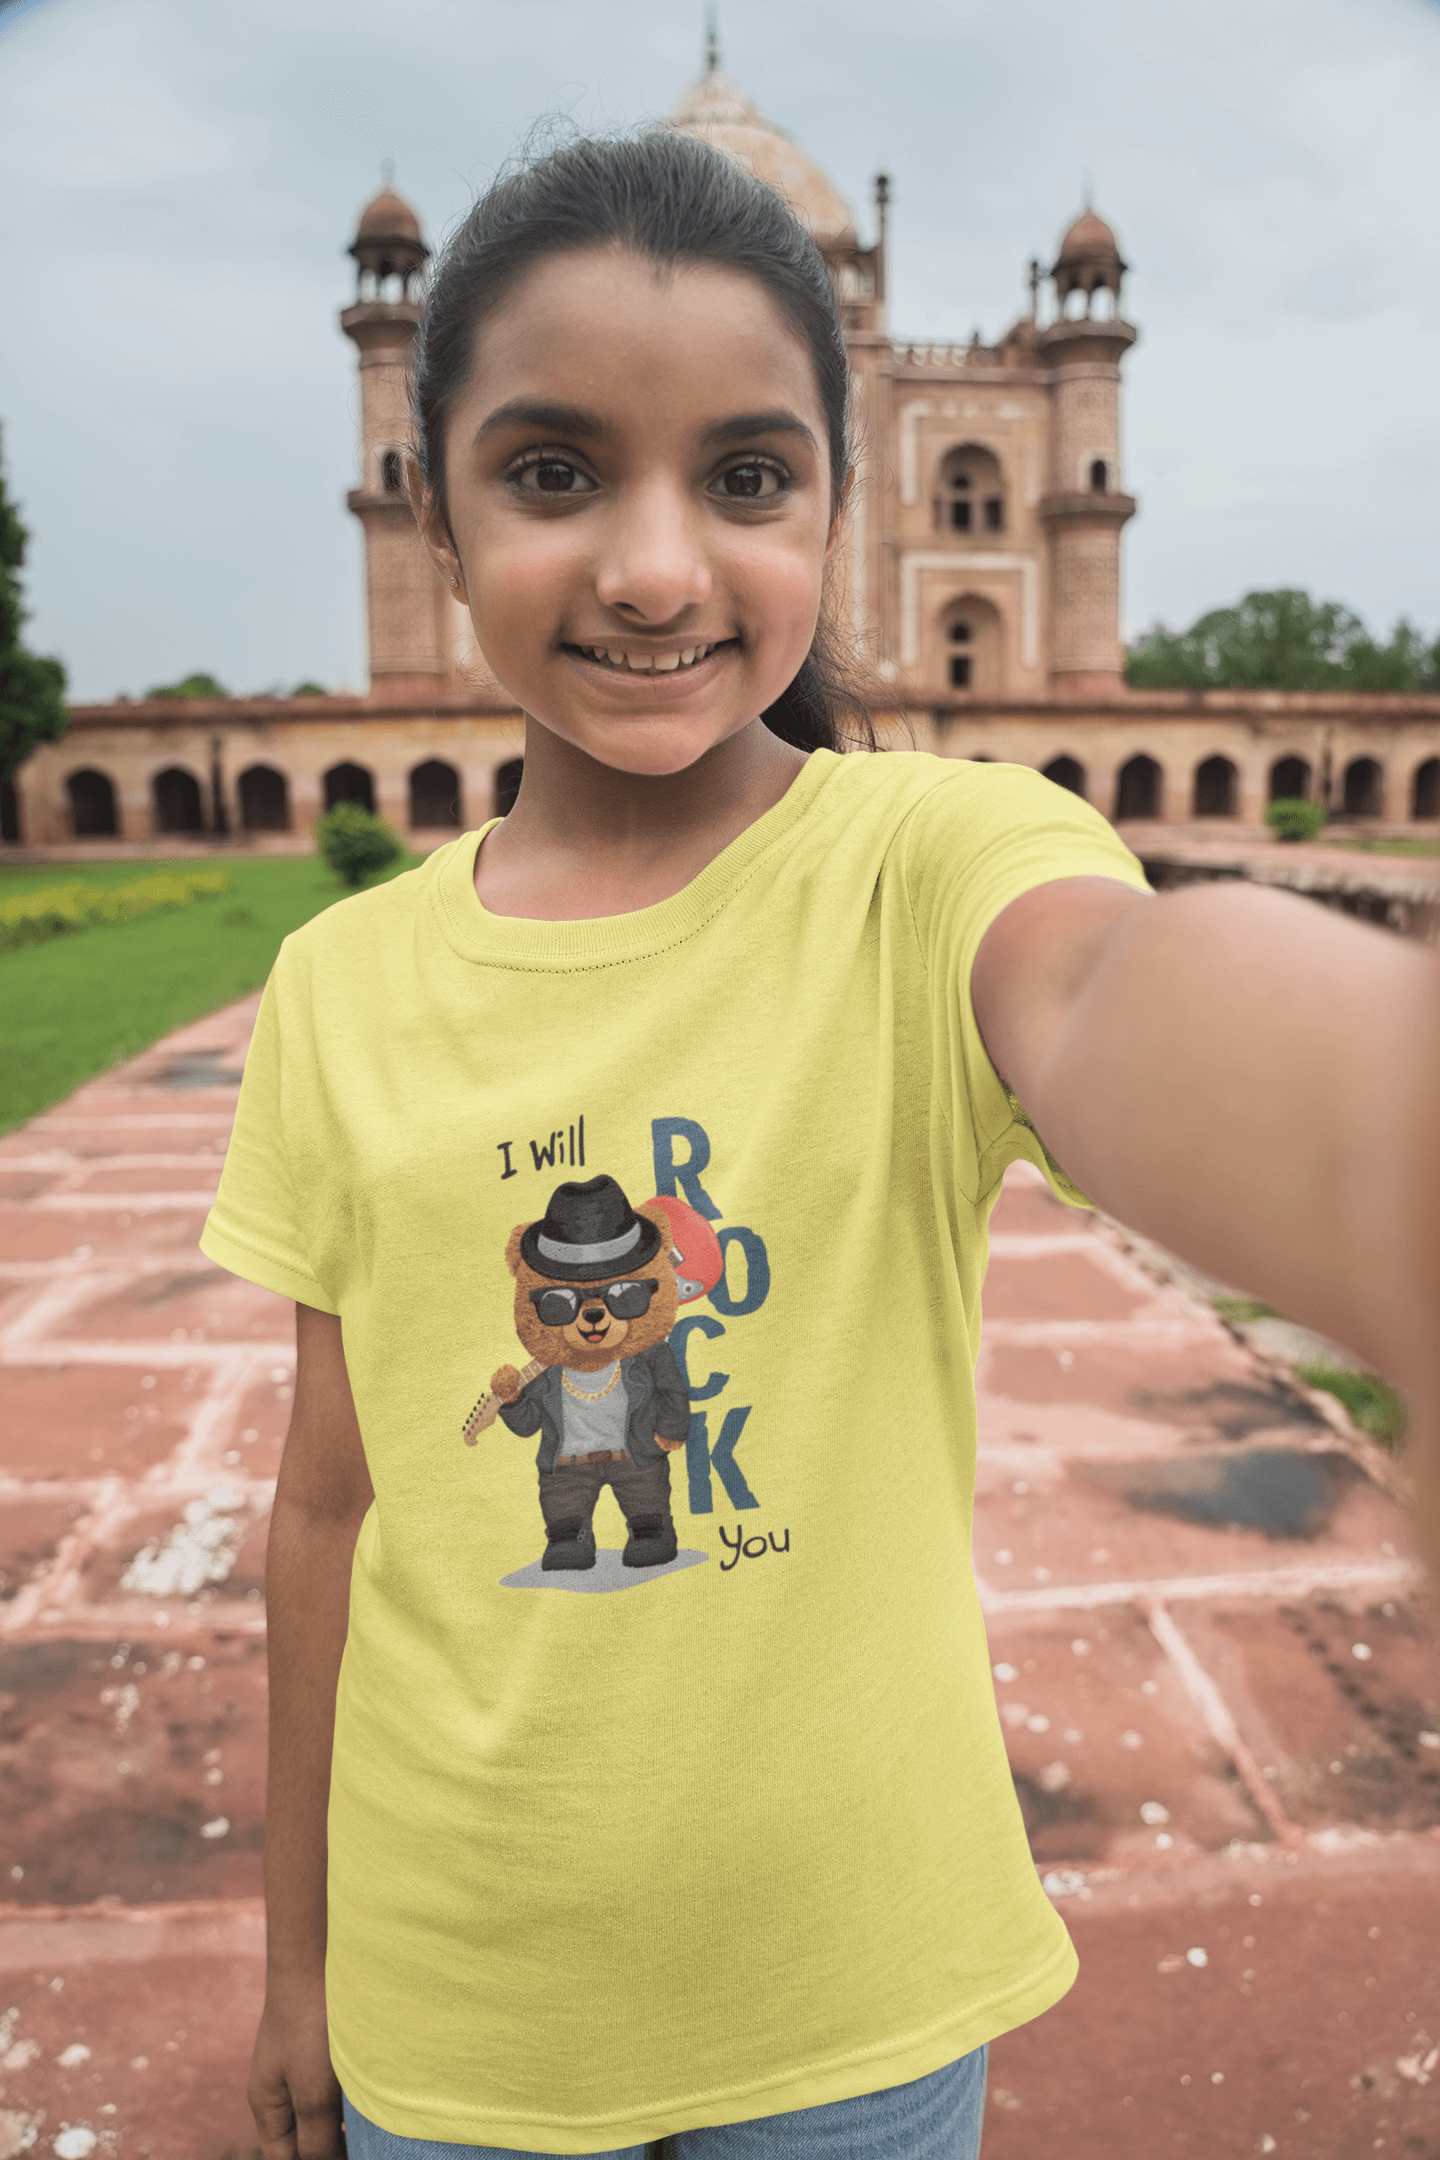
(1085, 506)
(406, 605)
(717, 111)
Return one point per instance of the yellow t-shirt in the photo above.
(736, 1833)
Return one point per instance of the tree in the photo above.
(32, 690)
(1282, 641)
(199, 685)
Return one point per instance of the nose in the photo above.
(654, 564)
(593, 1315)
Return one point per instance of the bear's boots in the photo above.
(572, 1545)
(652, 1541)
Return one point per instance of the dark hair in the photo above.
(675, 200)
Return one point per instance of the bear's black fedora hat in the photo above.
(589, 1233)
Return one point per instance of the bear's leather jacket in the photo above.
(655, 1393)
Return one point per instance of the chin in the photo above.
(653, 749)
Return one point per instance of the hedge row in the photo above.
(50, 910)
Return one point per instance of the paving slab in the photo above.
(1214, 1658)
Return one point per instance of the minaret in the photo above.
(406, 606)
(1085, 505)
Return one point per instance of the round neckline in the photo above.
(522, 941)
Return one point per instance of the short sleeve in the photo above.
(254, 1228)
(978, 841)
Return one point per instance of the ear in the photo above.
(434, 529)
(512, 1250)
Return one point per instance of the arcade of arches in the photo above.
(1127, 768)
(1142, 786)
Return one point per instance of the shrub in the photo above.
(51, 910)
(356, 843)
(1293, 819)
(1372, 1403)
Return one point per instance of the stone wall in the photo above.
(1226, 744)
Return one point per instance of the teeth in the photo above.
(648, 663)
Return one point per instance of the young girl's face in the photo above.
(638, 489)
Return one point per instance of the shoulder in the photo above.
(359, 932)
(967, 818)
(901, 789)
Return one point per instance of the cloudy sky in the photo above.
(180, 182)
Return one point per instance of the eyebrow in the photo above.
(780, 421)
(579, 425)
(570, 420)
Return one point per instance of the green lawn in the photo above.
(1387, 847)
(78, 1003)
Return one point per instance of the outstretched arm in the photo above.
(1242, 1076)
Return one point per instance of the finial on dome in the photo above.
(712, 42)
(387, 172)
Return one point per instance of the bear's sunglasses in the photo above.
(626, 1300)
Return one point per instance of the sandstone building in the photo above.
(980, 580)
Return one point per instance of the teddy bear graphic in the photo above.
(597, 1287)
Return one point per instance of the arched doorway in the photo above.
(1364, 788)
(1425, 791)
(507, 785)
(1138, 788)
(1215, 788)
(92, 805)
(349, 783)
(175, 801)
(264, 799)
(1067, 772)
(435, 794)
(1289, 780)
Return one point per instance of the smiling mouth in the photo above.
(674, 662)
(593, 1335)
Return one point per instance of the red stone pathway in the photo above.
(1211, 1654)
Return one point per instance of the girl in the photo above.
(725, 1853)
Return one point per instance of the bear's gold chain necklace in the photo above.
(590, 1394)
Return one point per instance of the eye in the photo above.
(547, 472)
(754, 480)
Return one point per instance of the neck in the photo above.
(584, 840)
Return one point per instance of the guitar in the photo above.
(485, 1412)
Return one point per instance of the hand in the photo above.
(294, 2094)
(506, 1383)
(669, 1446)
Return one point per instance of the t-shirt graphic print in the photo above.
(598, 1286)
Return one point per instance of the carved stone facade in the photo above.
(980, 578)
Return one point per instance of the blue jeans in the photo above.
(935, 2118)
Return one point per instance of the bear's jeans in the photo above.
(934, 2118)
(569, 1495)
